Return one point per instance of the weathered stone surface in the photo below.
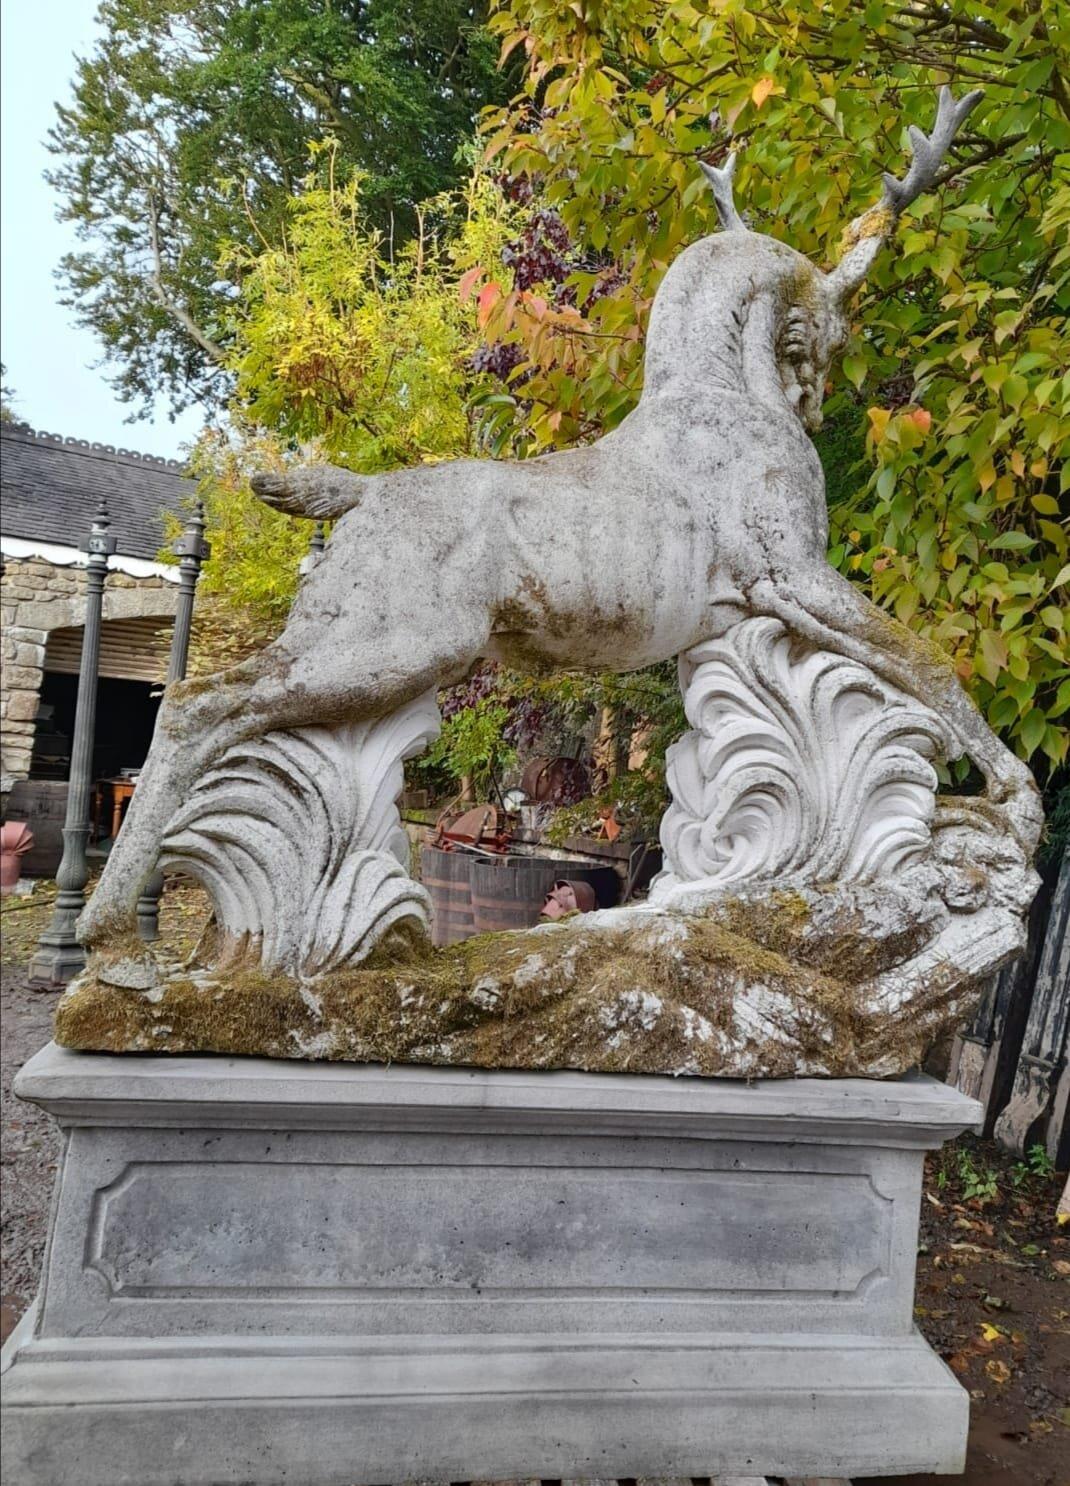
(21, 706)
(803, 982)
(22, 678)
(322, 1275)
(802, 771)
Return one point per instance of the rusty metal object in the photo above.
(569, 896)
(470, 826)
(555, 781)
(510, 894)
(482, 826)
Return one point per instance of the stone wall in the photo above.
(37, 597)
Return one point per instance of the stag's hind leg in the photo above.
(301, 680)
(820, 605)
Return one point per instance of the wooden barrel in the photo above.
(445, 875)
(508, 892)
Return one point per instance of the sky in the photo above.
(50, 362)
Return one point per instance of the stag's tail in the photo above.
(319, 491)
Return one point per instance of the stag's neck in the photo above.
(712, 335)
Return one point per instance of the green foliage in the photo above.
(953, 387)
(189, 127)
(645, 714)
(1037, 1163)
(1057, 828)
(471, 746)
(332, 341)
(963, 1171)
(972, 1179)
(253, 569)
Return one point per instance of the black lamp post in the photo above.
(59, 956)
(192, 551)
(317, 542)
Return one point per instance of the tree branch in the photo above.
(178, 314)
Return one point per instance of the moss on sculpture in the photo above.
(748, 989)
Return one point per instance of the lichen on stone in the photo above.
(765, 985)
(878, 221)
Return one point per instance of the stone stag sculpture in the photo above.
(698, 529)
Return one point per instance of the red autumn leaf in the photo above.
(487, 298)
(468, 282)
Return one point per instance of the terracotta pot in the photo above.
(16, 838)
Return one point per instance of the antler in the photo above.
(928, 150)
(868, 233)
(721, 182)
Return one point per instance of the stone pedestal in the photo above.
(327, 1274)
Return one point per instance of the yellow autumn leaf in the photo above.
(762, 89)
(989, 1332)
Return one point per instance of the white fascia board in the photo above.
(65, 557)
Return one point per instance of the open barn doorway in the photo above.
(126, 717)
(133, 661)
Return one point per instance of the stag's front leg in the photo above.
(317, 672)
(198, 721)
(820, 605)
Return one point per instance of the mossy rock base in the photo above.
(783, 985)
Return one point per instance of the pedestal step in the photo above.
(307, 1414)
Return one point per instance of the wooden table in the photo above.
(121, 790)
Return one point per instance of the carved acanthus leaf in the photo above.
(298, 839)
(801, 768)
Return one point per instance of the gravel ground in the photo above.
(29, 1148)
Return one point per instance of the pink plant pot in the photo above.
(16, 838)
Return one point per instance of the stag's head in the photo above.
(811, 324)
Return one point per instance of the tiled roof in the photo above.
(50, 488)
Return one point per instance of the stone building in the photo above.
(50, 489)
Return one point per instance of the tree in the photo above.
(952, 393)
(338, 349)
(7, 398)
(189, 128)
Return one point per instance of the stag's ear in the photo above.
(721, 183)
